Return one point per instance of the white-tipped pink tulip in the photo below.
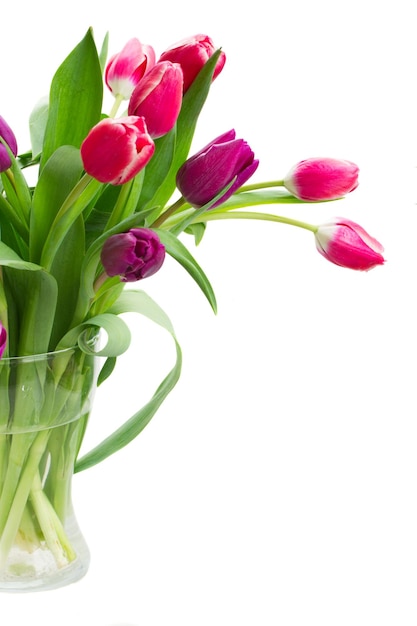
(115, 150)
(320, 179)
(347, 244)
(126, 68)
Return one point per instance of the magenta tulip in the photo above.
(158, 98)
(3, 339)
(192, 53)
(125, 69)
(320, 179)
(347, 244)
(134, 255)
(7, 135)
(115, 150)
(202, 177)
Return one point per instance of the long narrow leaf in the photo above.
(56, 181)
(180, 253)
(139, 302)
(76, 87)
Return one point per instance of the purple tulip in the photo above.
(7, 134)
(347, 244)
(158, 98)
(133, 255)
(3, 339)
(205, 174)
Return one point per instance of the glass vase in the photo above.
(45, 402)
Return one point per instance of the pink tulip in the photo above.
(192, 53)
(125, 69)
(134, 255)
(115, 150)
(3, 339)
(347, 244)
(158, 98)
(320, 179)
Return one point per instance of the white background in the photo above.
(277, 486)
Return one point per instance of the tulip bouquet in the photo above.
(113, 194)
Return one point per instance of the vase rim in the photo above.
(91, 343)
(26, 358)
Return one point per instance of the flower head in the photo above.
(320, 179)
(205, 174)
(126, 68)
(115, 150)
(3, 339)
(158, 98)
(192, 53)
(136, 254)
(347, 244)
(7, 135)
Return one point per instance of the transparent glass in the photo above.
(45, 401)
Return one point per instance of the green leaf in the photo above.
(138, 302)
(66, 269)
(180, 253)
(34, 297)
(197, 230)
(81, 198)
(116, 330)
(37, 125)
(106, 370)
(57, 179)
(9, 258)
(75, 100)
(103, 52)
(34, 292)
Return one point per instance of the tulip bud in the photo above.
(133, 255)
(125, 69)
(347, 244)
(115, 150)
(3, 339)
(158, 98)
(202, 177)
(192, 53)
(7, 135)
(320, 179)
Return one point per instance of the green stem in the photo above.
(51, 526)
(11, 216)
(21, 496)
(75, 203)
(170, 211)
(16, 460)
(263, 185)
(118, 99)
(253, 215)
